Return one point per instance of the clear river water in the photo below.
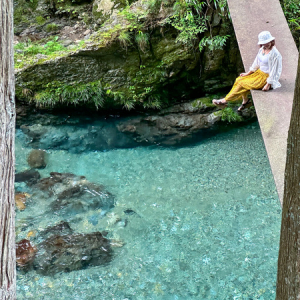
(200, 221)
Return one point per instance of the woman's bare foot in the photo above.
(220, 102)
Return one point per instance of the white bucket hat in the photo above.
(265, 37)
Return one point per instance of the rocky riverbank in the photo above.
(171, 126)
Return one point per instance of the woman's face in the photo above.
(268, 45)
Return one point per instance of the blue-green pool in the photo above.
(206, 222)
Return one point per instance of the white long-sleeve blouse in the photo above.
(275, 66)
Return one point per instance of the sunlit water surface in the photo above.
(206, 225)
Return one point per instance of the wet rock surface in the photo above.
(82, 198)
(175, 125)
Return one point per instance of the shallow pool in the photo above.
(197, 222)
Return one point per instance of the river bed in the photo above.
(200, 221)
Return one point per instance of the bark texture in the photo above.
(7, 150)
(288, 285)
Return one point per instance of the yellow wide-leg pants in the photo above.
(242, 85)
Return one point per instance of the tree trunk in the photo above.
(7, 150)
(288, 285)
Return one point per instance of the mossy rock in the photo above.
(203, 102)
(104, 9)
(127, 74)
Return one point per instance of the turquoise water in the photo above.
(206, 222)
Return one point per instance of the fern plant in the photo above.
(142, 39)
(230, 116)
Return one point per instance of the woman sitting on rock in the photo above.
(263, 74)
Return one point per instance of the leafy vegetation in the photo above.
(142, 39)
(92, 93)
(213, 43)
(192, 20)
(291, 9)
(125, 39)
(51, 27)
(23, 11)
(229, 115)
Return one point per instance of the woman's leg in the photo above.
(242, 87)
(237, 92)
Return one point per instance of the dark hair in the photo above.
(272, 44)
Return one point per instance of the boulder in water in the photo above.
(35, 131)
(66, 253)
(37, 158)
(30, 176)
(25, 253)
(83, 197)
(74, 194)
(59, 182)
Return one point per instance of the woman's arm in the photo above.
(275, 70)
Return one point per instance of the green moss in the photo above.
(28, 50)
(205, 101)
(40, 20)
(51, 27)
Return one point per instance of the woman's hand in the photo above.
(246, 74)
(266, 87)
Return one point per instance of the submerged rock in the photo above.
(82, 198)
(30, 176)
(37, 159)
(174, 125)
(171, 129)
(25, 253)
(66, 253)
(34, 131)
(74, 194)
(20, 200)
(58, 182)
(46, 184)
(62, 228)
